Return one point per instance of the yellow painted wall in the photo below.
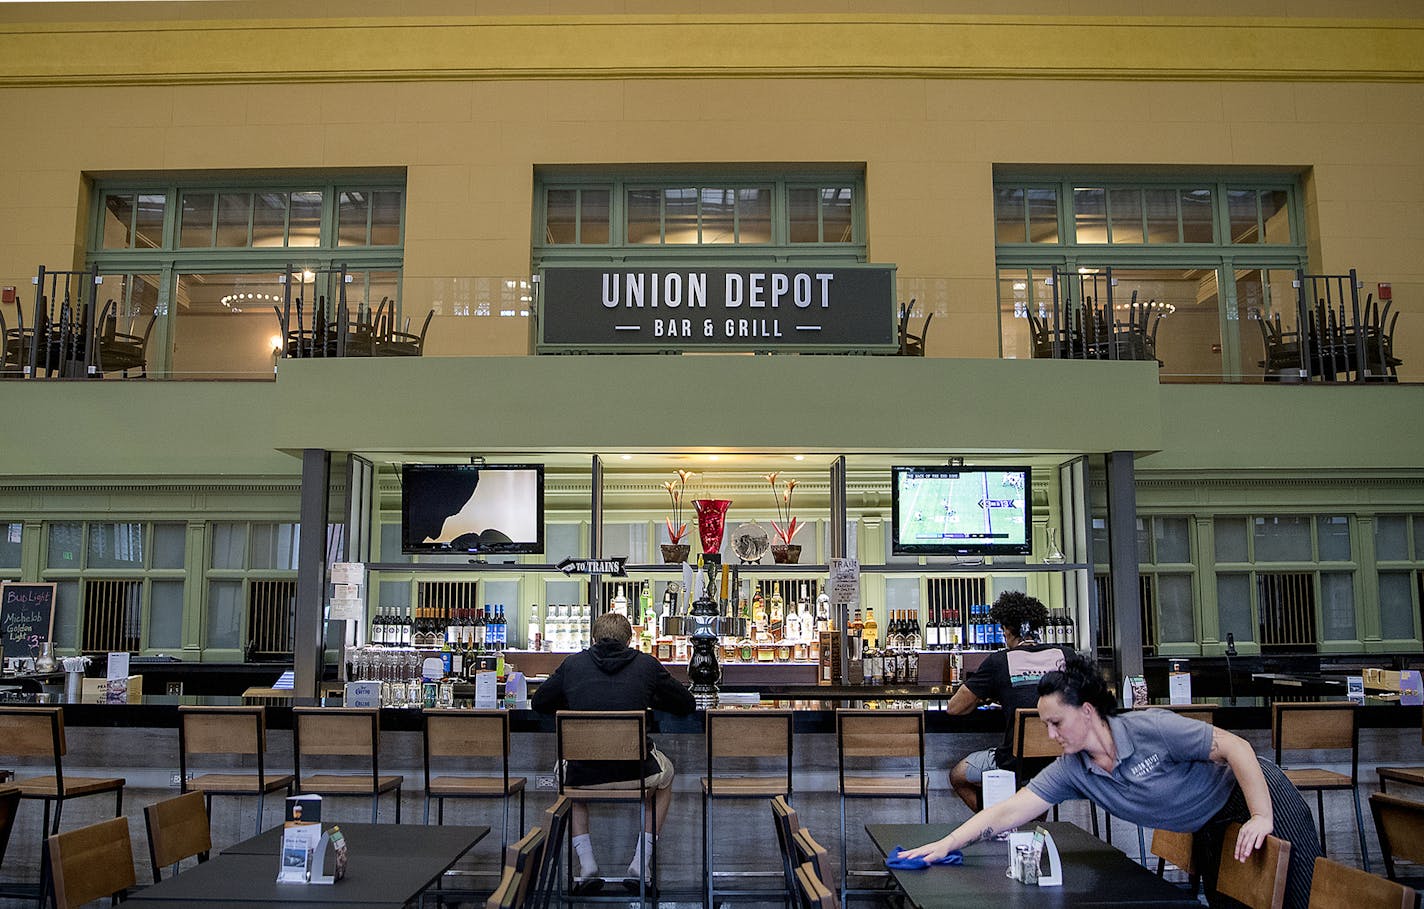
(469, 106)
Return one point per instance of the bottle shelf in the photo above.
(753, 568)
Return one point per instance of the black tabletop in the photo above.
(389, 865)
(140, 902)
(380, 839)
(1094, 874)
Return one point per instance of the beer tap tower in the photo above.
(703, 668)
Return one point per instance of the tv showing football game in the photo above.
(961, 511)
(468, 508)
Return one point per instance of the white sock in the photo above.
(583, 848)
(643, 848)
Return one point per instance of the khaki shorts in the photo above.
(660, 780)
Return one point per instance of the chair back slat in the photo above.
(1399, 822)
(1202, 713)
(1260, 881)
(1174, 847)
(787, 822)
(815, 893)
(223, 730)
(1334, 885)
(880, 733)
(467, 733)
(506, 895)
(739, 733)
(525, 857)
(91, 862)
(556, 821)
(339, 731)
(810, 851)
(1313, 726)
(177, 829)
(1031, 736)
(9, 807)
(32, 731)
(614, 735)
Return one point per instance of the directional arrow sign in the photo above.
(613, 566)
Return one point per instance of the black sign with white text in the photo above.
(830, 308)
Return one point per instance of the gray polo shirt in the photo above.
(1163, 778)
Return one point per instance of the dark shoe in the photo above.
(587, 887)
(631, 885)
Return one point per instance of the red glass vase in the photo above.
(711, 521)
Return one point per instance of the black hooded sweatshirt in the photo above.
(612, 676)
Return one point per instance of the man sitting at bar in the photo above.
(1009, 677)
(611, 676)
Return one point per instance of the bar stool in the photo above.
(343, 732)
(39, 732)
(739, 734)
(1321, 727)
(471, 734)
(606, 735)
(229, 731)
(877, 735)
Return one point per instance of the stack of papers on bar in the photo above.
(739, 698)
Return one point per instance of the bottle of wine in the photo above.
(913, 639)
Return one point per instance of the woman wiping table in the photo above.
(1157, 769)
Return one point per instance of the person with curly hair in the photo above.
(1158, 769)
(1009, 677)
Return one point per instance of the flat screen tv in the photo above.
(467, 508)
(961, 511)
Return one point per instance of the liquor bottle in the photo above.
(823, 612)
(531, 628)
(758, 609)
(870, 630)
(854, 630)
(791, 628)
(503, 628)
(645, 605)
(1069, 634)
(583, 627)
(809, 631)
(913, 639)
(775, 614)
(619, 603)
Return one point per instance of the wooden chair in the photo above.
(1031, 742)
(342, 732)
(522, 862)
(239, 731)
(1337, 886)
(1260, 881)
(1176, 848)
(1321, 727)
(556, 825)
(9, 807)
(39, 732)
(1412, 776)
(787, 822)
(736, 736)
(177, 829)
(814, 892)
(876, 736)
(611, 735)
(471, 734)
(1399, 823)
(91, 862)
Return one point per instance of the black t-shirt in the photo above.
(1011, 678)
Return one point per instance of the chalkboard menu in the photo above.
(26, 610)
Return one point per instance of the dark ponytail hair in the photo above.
(1079, 682)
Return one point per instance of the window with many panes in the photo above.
(12, 536)
(1286, 581)
(121, 584)
(1200, 257)
(1399, 560)
(1167, 572)
(200, 264)
(787, 212)
(252, 587)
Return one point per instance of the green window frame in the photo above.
(128, 556)
(653, 212)
(244, 560)
(1399, 576)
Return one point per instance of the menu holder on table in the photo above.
(301, 839)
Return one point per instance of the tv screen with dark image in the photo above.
(492, 508)
(961, 511)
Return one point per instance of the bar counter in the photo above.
(815, 708)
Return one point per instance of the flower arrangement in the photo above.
(676, 526)
(782, 497)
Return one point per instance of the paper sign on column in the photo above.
(348, 603)
(353, 573)
(844, 584)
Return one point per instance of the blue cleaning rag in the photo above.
(894, 860)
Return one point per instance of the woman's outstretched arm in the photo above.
(1021, 807)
